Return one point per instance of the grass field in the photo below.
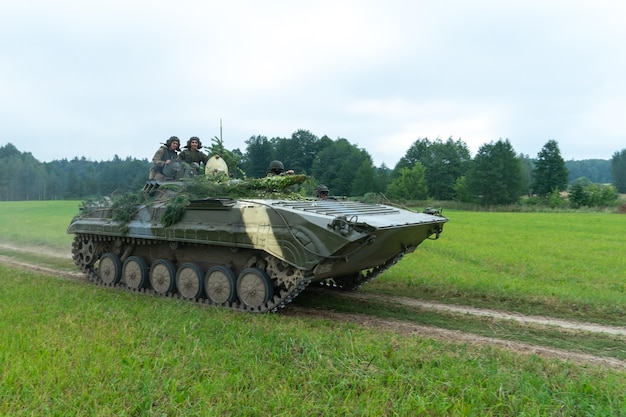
(37, 223)
(567, 265)
(562, 264)
(69, 348)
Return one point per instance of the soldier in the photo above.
(277, 168)
(321, 191)
(192, 155)
(165, 160)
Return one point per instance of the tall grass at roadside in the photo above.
(564, 264)
(72, 349)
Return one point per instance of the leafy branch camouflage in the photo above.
(124, 207)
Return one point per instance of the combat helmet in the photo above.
(172, 139)
(276, 168)
(321, 191)
(188, 146)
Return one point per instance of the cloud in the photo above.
(101, 78)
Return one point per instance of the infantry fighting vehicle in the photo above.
(193, 239)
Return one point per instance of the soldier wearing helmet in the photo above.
(277, 168)
(321, 191)
(165, 161)
(192, 155)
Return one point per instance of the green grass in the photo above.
(68, 348)
(37, 223)
(568, 265)
(598, 344)
(31, 256)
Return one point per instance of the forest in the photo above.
(430, 169)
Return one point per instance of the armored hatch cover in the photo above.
(374, 215)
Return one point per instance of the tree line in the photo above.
(430, 169)
(22, 177)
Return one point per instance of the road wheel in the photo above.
(135, 272)
(110, 268)
(162, 274)
(254, 287)
(189, 280)
(220, 285)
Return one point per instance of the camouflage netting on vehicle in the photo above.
(272, 187)
(277, 186)
(177, 195)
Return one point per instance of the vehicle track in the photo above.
(479, 312)
(403, 327)
(409, 329)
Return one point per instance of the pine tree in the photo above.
(618, 170)
(495, 176)
(550, 172)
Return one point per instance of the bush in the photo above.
(555, 200)
(583, 192)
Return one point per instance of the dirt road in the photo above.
(408, 328)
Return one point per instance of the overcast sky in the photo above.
(104, 78)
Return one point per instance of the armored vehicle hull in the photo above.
(249, 254)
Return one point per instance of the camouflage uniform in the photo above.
(194, 158)
(162, 154)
